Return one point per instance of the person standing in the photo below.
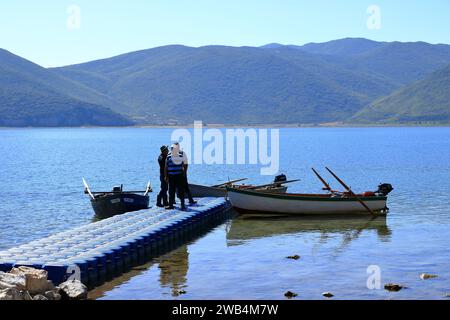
(161, 199)
(175, 168)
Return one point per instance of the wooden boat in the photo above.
(117, 201)
(277, 186)
(201, 191)
(248, 201)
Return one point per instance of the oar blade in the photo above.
(88, 190)
(148, 189)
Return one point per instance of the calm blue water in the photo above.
(41, 193)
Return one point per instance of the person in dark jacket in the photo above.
(161, 199)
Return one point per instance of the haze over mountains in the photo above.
(350, 80)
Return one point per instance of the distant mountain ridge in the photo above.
(424, 101)
(34, 96)
(218, 83)
(335, 81)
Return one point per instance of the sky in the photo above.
(59, 32)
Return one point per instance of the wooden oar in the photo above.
(228, 182)
(327, 186)
(349, 190)
(87, 190)
(271, 184)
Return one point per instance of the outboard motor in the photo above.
(384, 189)
(280, 178)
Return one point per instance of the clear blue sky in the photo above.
(37, 30)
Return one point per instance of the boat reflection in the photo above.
(247, 227)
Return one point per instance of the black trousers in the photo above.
(161, 199)
(187, 191)
(176, 186)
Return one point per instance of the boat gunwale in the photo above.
(303, 197)
(106, 195)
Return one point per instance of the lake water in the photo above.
(245, 257)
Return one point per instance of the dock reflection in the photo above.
(247, 227)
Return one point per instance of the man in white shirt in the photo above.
(176, 167)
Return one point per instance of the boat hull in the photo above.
(199, 191)
(256, 202)
(112, 204)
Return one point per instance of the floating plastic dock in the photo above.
(99, 251)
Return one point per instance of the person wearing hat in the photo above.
(161, 199)
(175, 168)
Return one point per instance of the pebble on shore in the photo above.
(73, 290)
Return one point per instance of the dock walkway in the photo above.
(99, 251)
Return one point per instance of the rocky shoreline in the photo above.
(26, 283)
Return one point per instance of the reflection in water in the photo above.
(247, 227)
(174, 267)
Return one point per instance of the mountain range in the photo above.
(352, 80)
(427, 100)
(31, 95)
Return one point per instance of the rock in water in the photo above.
(36, 280)
(290, 294)
(294, 257)
(9, 280)
(393, 287)
(327, 294)
(73, 290)
(425, 276)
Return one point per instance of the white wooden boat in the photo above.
(247, 201)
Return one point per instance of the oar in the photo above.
(228, 182)
(87, 189)
(349, 190)
(148, 189)
(327, 186)
(271, 184)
